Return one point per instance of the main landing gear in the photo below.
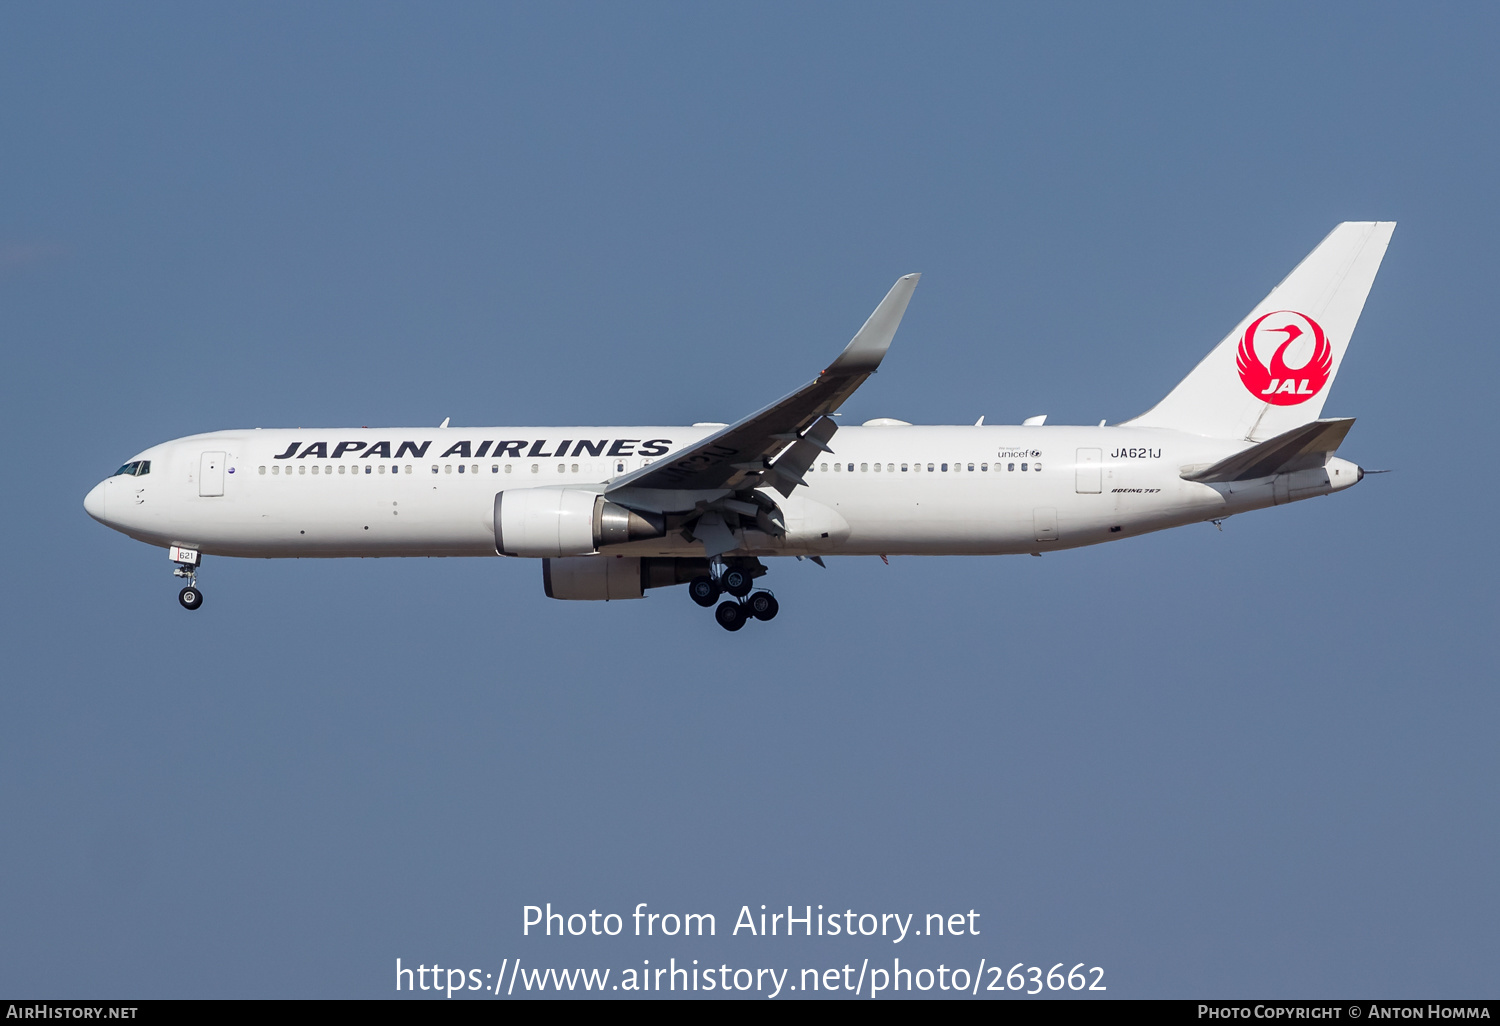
(187, 561)
(737, 580)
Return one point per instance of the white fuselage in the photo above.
(918, 490)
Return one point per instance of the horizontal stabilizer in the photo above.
(1301, 447)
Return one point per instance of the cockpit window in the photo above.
(137, 468)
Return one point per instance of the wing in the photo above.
(776, 445)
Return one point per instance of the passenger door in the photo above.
(1089, 475)
(211, 474)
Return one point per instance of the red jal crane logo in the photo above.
(1275, 382)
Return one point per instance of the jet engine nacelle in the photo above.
(596, 578)
(553, 522)
(606, 578)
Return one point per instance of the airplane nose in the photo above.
(93, 502)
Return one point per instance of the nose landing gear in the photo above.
(187, 561)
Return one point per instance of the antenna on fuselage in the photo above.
(444, 423)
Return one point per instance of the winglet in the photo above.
(865, 351)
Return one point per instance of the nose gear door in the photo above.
(211, 474)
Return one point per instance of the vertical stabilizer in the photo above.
(1274, 370)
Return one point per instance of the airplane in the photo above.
(613, 512)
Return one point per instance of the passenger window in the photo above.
(864, 468)
(971, 468)
(877, 468)
(903, 468)
(983, 467)
(263, 471)
(507, 468)
(474, 469)
(1010, 466)
(1023, 466)
(824, 468)
(434, 468)
(381, 468)
(367, 468)
(276, 470)
(408, 468)
(562, 468)
(536, 468)
(929, 467)
(447, 468)
(575, 468)
(890, 468)
(494, 468)
(838, 467)
(302, 469)
(1036, 468)
(460, 468)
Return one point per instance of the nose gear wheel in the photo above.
(190, 597)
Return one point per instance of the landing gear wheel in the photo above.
(190, 597)
(704, 590)
(737, 582)
(731, 615)
(763, 605)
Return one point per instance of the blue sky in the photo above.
(1255, 762)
